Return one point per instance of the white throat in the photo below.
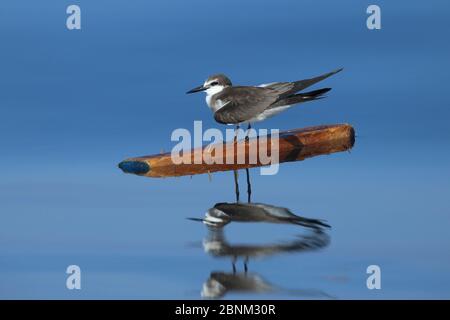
(210, 92)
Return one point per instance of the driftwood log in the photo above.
(293, 145)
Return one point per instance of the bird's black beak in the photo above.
(197, 89)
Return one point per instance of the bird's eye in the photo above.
(215, 83)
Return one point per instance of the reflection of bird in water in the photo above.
(220, 283)
(216, 245)
(223, 213)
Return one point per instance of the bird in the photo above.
(216, 245)
(236, 105)
(221, 283)
(223, 213)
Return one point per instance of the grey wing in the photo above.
(303, 84)
(289, 88)
(281, 87)
(244, 103)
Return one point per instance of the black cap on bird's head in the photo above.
(214, 80)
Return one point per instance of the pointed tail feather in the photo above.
(301, 97)
(312, 95)
(303, 84)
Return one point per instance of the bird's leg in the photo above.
(249, 186)
(246, 264)
(235, 172)
(247, 171)
(236, 184)
(248, 131)
(233, 262)
(236, 133)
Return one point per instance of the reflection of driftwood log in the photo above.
(293, 145)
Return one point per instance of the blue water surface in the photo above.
(73, 104)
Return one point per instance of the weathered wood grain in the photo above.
(293, 145)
